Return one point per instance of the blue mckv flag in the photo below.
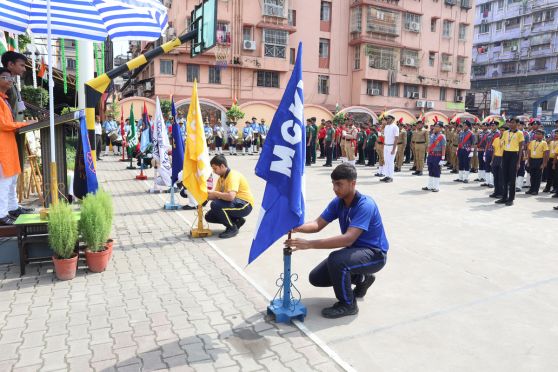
(177, 147)
(281, 164)
(85, 176)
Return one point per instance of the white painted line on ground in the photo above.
(301, 326)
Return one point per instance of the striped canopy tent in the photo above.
(431, 116)
(398, 114)
(462, 116)
(92, 20)
(497, 118)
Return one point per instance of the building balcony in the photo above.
(385, 29)
(542, 53)
(543, 27)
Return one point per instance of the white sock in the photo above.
(436, 183)
(461, 178)
(430, 183)
(466, 176)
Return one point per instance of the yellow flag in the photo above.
(196, 168)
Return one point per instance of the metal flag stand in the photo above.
(131, 166)
(172, 204)
(284, 307)
(200, 231)
(141, 176)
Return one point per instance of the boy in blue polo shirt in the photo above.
(362, 238)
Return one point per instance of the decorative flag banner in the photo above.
(3, 43)
(145, 131)
(161, 145)
(63, 63)
(196, 169)
(85, 176)
(281, 165)
(177, 146)
(42, 70)
(131, 139)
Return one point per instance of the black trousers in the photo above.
(509, 172)
(371, 155)
(361, 159)
(536, 174)
(552, 177)
(227, 213)
(98, 145)
(308, 155)
(497, 173)
(345, 267)
(408, 152)
(328, 152)
(322, 148)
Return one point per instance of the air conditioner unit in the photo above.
(414, 26)
(413, 95)
(430, 104)
(421, 104)
(373, 92)
(249, 45)
(148, 85)
(409, 61)
(459, 99)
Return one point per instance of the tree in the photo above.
(166, 107)
(234, 113)
(35, 96)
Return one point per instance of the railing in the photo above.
(274, 10)
(383, 29)
(382, 62)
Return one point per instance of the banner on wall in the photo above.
(495, 102)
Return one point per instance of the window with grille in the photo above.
(275, 43)
(275, 8)
(446, 63)
(356, 65)
(484, 28)
(70, 64)
(214, 75)
(323, 84)
(382, 21)
(460, 65)
(247, 33)
(223, 33)
(165, 67)
(500, 4)
(393, 90)
(382, 58)
(447, 28)
(431, 58)
(356, 19)
(499, 26)
(424, 91)
(410, 90)
(433, 23)
(292, 17)
(479, 70)
(325, 11)
(268, 79)
(410, 58)
(192, 73)
(374, 87)
(443, 91)
(512, 23)
(462, 31)
(324, 48)
(540, 64)
(509, 68)
(412, 22)
(484, 9)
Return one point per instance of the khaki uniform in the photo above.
(379, 147)
(419, 142)
(401, 144)
(348, 142)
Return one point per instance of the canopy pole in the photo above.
(53, 173)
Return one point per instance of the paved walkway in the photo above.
(165, 302)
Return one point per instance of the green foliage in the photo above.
(105, 199)
(92, 223)
(23, 40)
(235, 114)
(36, 96)
(166, 107)
(62, 230)
(340, 118)
(68, 110)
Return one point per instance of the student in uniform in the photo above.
(233, 137)
(363, 241)
(361, 142)
(247, 136)
(391, 134)
(436, 157)
(552, 177)
(329, 143)
(370, 143)
(496, 163)
(465, 149)
(401, 145)
(512, 140)
(232, 199)
(537, 158)
(488, 154)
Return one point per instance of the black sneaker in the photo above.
(6, 221)
(362, 287)
(494, 195)
(340, 310)
(501, 201)
(426, 188)
(189, 208)
(240, 222)
(509, 203)
(229, 232)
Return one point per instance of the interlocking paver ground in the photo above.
(165, 302)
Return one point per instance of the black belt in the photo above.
(418, 142)
(399, 143)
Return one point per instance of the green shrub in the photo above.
(62, 230)
(92, 223)
(234, 113)
(105, 199)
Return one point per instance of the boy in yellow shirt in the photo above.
(552, 175)
(496, 162)
(512, 140)
(537, 157)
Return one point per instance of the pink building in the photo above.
(364, 55)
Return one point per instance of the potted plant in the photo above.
(62, 237)
(234, 114)
(105, 199)
(92, 226)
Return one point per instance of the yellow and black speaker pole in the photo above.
(96, 87)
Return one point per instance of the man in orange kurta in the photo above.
(9, 159)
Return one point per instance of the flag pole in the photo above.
(141, 176)
(200, 231)
(285, 309)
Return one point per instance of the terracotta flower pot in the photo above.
(110, 243)
(65, 268)
(97, 261)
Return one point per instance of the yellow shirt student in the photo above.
(537, 149)
(235, 181)
(498, 148)
(511, 140)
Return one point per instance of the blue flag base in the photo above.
(172, 206)
(284, 307)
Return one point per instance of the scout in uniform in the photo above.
(489, 153)
(512, 140)
(496, 163)
(537, 159)
(436, 157)
(408, 144)
(552, 179)
(370, 151)
(232, 137)
(520, 181)
(454, 147)
(465, 152)
(380, 150)
(401, 146)
(219, 135)
(208, 136)
(255, 135)
(247, 137)
(475, 157)
(329, 143)
(309, 142)
(314, 143)
(419, 142)
(350, 135)
(482, 137)
(361, 142)
(263, 132)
